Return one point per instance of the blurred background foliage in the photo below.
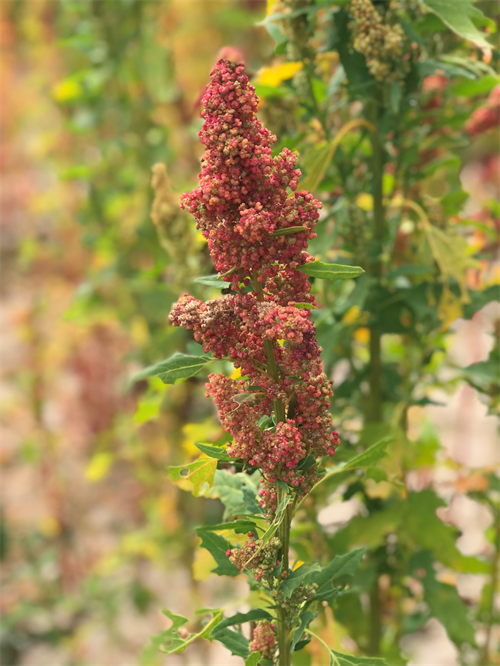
(95, 539)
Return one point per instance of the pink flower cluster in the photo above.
(487, 116)
(245, 196)
(264, 639)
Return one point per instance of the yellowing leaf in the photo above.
(98, 466)
(450, 308)
(236, 373)
(199, 473)
(67, 90)
(365, 201)
(203, 564)
(281, 343)
(199, 432)
(274, 76)
(451, 254)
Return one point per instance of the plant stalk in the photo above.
(284, 654)
(486, 657)
(374, 404)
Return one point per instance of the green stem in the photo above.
(374, 405)
(284, 658)
(486, 658)
(375, 620)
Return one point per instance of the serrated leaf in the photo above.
(288, 231)
(451, 253)
(341, 566)
(169, 641)
(461, 16)
(370, 457)
(339, 659)
(230, 638)
(233, 641)
(252, 506)
(212, 281)
(484, 372)
(213, 451)
(200, 472)
(241, 618)
(178, 366)
(444, 601)
(430, 533)
(239, 526)
(217, 546)
(305, 619)
(253, 659)
(319, 269)
(298, 576)
(228, 487)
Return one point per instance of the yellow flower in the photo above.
(274, 76)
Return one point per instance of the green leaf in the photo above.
(444, 601)
(233, 641)
(213, 451)
(461, 16)
(217, 546)
(339, 659)
(479, 299)
(484, 372)
(430, 533)
(238, 526)
(169, 641)
(427, 67)
(178, 366)
(252, 506)
(315, 162)
(241, 618)
(319, 269)
(253, 659)
(305, 619)
(298, 576)
(288, 231)
(305, 306)
(199, 473)
(228, 487)
(341, 566)
(212, 281)
(370, 457)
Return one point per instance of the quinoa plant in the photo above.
(257, 222)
